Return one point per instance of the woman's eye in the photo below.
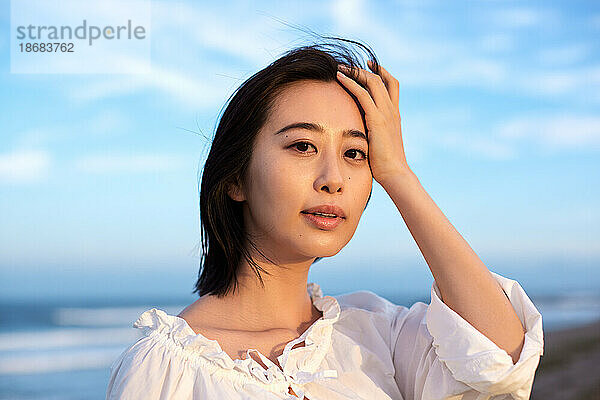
(302, 147)
(354, 151)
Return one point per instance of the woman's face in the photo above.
(298, 168)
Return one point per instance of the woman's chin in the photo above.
(327, 252)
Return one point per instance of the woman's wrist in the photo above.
(400, 173)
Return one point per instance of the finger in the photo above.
(391, 83)
(371, 81)
(361, 93)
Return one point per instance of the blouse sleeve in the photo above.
(437, 354)
(147, 371)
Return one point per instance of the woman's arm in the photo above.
(465, 283)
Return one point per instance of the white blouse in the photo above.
(364, 347)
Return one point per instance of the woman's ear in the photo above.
(234, 190)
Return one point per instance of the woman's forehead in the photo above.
(325, 104)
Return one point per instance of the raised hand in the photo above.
(380, 101)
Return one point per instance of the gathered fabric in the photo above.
(363, 347)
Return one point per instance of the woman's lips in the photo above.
(325, 223)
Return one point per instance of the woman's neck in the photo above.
(283, 302)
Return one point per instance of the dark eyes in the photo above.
(302, 147)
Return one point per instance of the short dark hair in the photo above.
(223, 236)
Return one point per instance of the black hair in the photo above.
(223, 236)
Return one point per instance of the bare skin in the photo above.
(284, 178)
(207, 319)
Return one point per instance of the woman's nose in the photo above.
(330, 177)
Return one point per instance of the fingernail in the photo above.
(340, 74)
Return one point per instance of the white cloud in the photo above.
(24, 166)
(575, 81)
(347, 14)
(571, 53)
(490, 148)
(201, 79)
(191, 35)
(419, 60)
(482, 147)
(105, 122)
(567, 131)
(552, 83)
(475, 70)
(504, 141)
(421, 63)
(35, 137)
(423, 60)
(188, 90)
(128, 163)
(99, 89)
(243, 32)
(451, 128)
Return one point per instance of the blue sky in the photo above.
(499, 103)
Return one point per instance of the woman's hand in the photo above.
(382, 116)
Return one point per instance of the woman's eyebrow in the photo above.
(311, 126)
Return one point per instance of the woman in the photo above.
(286, 181)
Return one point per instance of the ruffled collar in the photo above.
(299, 364)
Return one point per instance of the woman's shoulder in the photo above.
(165, 336)
(165, 340)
